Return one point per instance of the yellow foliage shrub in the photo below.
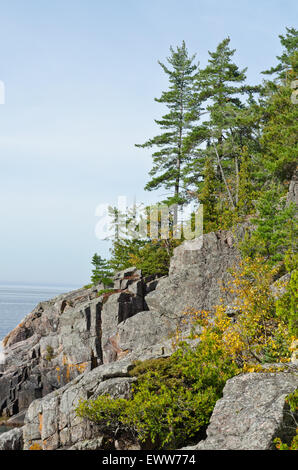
(258, 335)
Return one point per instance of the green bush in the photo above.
(286, 306)
(171, 400)
(292, 401)
(152, 258)
(105, 291)
(50, 353)
(275, 228)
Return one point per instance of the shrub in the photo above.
(292, 401)
(152, 258)
(105, 291)
(258, 335)
(88, 286)
(286, 306)
(275, 228)
(171, 400)
(50, 353)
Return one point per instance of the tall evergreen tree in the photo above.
(221, 87)
(183, 111)
(280, 113)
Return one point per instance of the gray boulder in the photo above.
(252, 413)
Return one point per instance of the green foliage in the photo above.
(283, 446)
(292, 401)
(50, 353)
(104, 291)
(153, 258)
(172, 399)
(288, 61)
(279, 137)
(286, 306)
(104, 411)
(122, 252)
(246, 192)
(280, 114)
(207, 197)
(183, 110)
(151, 255)
(277, 348)
(232, 124)
(275, 228)
(101, 272)
(88, 286)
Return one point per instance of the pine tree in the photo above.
(275, 228)
(101, 272)
(287, 67)
(221, 88)
(280, 113)
(183, 111)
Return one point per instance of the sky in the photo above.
(80, 79)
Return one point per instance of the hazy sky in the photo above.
(80, 78)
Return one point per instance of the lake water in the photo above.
(16, 301)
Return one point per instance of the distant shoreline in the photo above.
(40, 285)
(18, 299)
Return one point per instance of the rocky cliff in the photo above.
(83, 344)
(79, 331)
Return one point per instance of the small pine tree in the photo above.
(101, 272)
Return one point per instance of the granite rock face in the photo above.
(77, 332)
(51, 422)
(137, 322)
(64, 337)
(198, 270)
(50, 347)
(12, 440)
(252, 412)
(81, 345)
